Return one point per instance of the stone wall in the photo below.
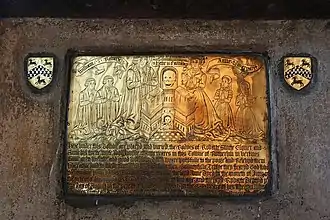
(31, 135)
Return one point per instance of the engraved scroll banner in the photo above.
(168, 125)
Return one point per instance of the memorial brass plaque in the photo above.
(164, 125)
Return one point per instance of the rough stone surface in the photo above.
(30, 129)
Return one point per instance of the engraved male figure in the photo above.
(87, 109)
(109, 100)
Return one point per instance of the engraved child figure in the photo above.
(87, 108)
(223, 97)
(109, 100)
(246, 123)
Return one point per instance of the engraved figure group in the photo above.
(97, 107)
(112, 111)
(244, 122)
(219, 118)
(145, 104)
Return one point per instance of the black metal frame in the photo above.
(78, 200)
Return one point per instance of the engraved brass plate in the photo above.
(168, 125)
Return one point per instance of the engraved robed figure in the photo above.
(87, 108)
(223, 97)
(207, 120)
(245, 122)
(132, 94)
(108, 100)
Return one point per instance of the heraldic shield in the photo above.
(298, 72)
(39, 71)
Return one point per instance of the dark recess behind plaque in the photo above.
(204, 9)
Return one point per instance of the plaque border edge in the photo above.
(80, 201)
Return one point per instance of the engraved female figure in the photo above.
(223, 97)
(206, 118)
(246, 123)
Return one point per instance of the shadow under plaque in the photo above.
(168, 125)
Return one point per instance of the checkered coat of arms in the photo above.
(298, 72)
(39, 71)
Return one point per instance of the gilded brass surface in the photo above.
(298, 71)
(168, 125)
